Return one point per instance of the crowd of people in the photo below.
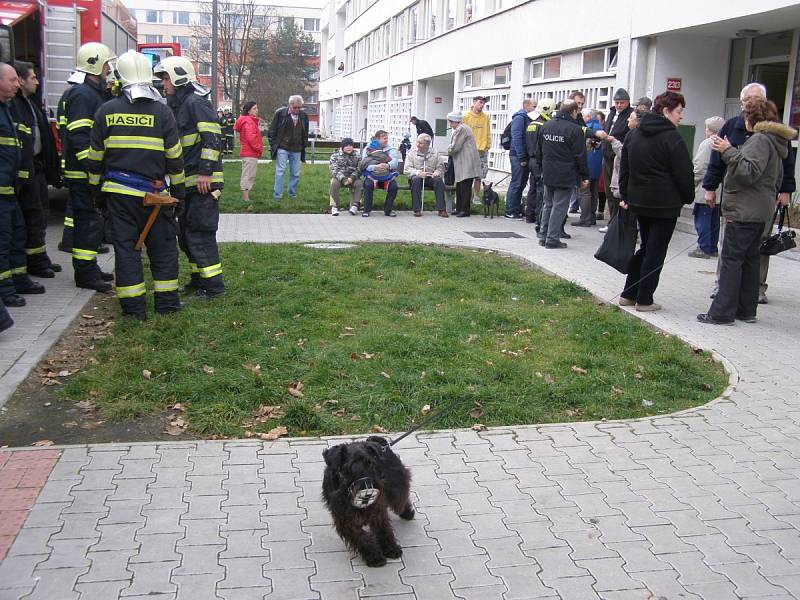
(121, 142)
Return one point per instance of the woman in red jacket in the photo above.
(251, 146)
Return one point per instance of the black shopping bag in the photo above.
(781, 241)
(620, 242)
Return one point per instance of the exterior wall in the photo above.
(687, 40)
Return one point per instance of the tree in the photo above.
(240, 26)
(283, 64)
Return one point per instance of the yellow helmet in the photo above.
(179, 69)
(546, 106)
(134, 68)
(92, 57)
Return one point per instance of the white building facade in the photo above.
(383, 61)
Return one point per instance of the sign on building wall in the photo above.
(674, 84)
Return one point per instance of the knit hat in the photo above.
(374, 145)
(454, 116)
(346, 142)
(622, 94)
(715, 123)
(645, 101)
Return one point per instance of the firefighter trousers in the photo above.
(87, 233)
(13, 272)
(198, 218)
(128, 216)
(34, 206)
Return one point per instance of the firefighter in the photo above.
(222, 139)
(40, 168)
(534, 201)
(134, 148)
(227, 129)
(200, 139)
(76, 111)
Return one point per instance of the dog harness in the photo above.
(363, 493)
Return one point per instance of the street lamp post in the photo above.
(214, 53)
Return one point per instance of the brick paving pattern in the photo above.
(699, 504)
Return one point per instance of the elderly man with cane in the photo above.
(425, 168)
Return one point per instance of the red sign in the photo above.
(437, 100)
(674, 84)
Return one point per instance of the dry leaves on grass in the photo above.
(255, 369)
(476, 412)
(615, 391)
(179, 407)
(146, 374)
(43, 443)
(385, 374)
(378, 429)
(272, 434)
(296, 389)
(579, 370)
(86, 405)
(471, 338)
(264, 412)
(425, 410)
(575, 413)
(176, 426)
(208, 369)
(548, 379)
(479, 427)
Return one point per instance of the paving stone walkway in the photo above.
(701, 504)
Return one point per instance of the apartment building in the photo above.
(187, 23)
(386, 60)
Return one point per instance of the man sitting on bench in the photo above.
(425, 170)
(379, 167)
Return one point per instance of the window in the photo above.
(450, 14)
(311, 98)
(545, 68)
(180, 17)
(182, 41)
(151, 16)
(387, 39)
(599, 60)
(203, 18)
(472, 79)
(311, 24)
(259, 21)
(468, 12)
(310, 49)
(204, 69)
(153, 39)
(502, 75)
(413, 17)
(204, 44)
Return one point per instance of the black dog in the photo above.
(362, 481)
(490, 198)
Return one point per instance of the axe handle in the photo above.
(148, 226)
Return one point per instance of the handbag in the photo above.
(781, 241)
(619, 244)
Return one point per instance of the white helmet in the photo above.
(133, 68)
(92, 57)
(179, 69)
(546, 106)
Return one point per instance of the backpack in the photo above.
(505, 137)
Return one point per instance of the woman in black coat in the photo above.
(656, 179)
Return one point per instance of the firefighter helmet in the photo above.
(133, 68)
(546, 106)
(92, 57)
(179, 69)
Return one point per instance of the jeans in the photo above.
(737, 295)
(646, 265)
(281, 159)
(519, 174)
(391, 193)
(706, 223)
(554, 211)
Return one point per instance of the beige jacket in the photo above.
(464, 154)
(430, 161)
(701, 158)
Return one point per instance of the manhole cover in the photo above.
(330, 246)
(494, 234)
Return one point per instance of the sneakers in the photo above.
(353, 210)
(365, 214)
(626, 301)
(334, 211)
(697, 253)
(709, 320)
(603, 229)
(391, 213)
(647, 307)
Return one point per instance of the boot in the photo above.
(32, 288)
(14, 300)
(97, 285)
(6, 321)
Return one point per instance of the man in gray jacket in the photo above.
(344, 174)
(425, 169)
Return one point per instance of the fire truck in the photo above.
(48, 34)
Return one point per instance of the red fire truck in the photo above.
(49, 32)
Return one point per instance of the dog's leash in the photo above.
(431, 417)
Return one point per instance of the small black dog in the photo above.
(362, 481)
(490, 198)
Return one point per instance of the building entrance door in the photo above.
(776, 77)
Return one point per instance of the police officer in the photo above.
(134, 148)
(76, 111)
(227, 129)
(40, 168)
(533, 203)
(200, 138)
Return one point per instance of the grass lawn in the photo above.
(376, 333)
(312, 195)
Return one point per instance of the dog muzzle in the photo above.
(363, 493)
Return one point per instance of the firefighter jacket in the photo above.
(76, 111)
(200, 136)
(27, 118)
(10, 157)
(133, 146)
(532, 134)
